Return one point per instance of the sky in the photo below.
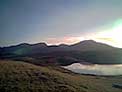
(60, 21)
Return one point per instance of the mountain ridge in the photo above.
(62, 44)
(88, 50)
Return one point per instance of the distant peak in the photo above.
(24, 44)
(88, 41)
(40, 44)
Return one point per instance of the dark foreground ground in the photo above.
(16, 76)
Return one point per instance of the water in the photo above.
(95, 69)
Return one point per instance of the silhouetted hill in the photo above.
(88, 51)
(90, 45)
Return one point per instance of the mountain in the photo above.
(90, 45)
(88, 51)
(23, 49)
(18, 76)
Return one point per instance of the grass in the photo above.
(16, 76)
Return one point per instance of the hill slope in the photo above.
(23, 77)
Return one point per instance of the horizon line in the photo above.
(58, 44)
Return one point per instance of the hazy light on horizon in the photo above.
(109, 34)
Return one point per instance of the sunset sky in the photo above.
(60, 21)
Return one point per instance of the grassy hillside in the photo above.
(18, 76)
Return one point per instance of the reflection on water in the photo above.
(96, 69)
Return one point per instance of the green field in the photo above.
(16, 76)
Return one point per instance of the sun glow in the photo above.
(112, 35)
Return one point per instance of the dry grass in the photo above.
(18, 76)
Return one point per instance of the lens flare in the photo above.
(111, 35)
